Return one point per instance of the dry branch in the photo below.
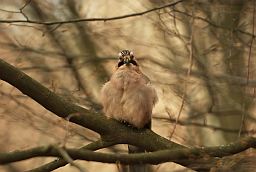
(111, 131)
(91, 19)
(137, 158)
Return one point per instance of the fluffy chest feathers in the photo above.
(128, 78)
(128, 96)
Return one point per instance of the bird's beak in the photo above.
(126, 60)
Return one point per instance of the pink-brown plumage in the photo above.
(129, 96)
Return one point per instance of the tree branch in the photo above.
(208, 126)
(109, 129)
(214, 24)
(92, 19)
(137, 158)
(104, 19)
(68, 159)
(60, 162)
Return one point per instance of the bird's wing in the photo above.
(111, 100)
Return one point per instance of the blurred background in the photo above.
(199, 55)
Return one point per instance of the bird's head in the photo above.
(126, 57)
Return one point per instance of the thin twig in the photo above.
(93, 19)
(20, 10)
(190, 43)
(60, 162)
(208, 126)
(23, 7)
(9, 11)
(68, 159)
(26, 3)
(213, 24)
(67, 128)
(248, 72)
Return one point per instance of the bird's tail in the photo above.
(134, 149)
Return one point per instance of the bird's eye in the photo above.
(120, 58)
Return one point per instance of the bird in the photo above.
(129, 96)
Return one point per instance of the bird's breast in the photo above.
(126, 80)
(128, 97)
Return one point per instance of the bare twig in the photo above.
(59, 23)
(67, 128)
(68, 159)
(60, 162)
(26, 3)
(20, 10)
(156, 157)
(213, 24)
(188, 75)
(196, 124)
(92, 19)
(248, 71)
(23, 7)
(9, 11)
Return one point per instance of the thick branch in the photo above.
(109, 129)
(150, 158)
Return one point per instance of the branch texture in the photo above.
(112, 132)
(109, 129)
(137, 158)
